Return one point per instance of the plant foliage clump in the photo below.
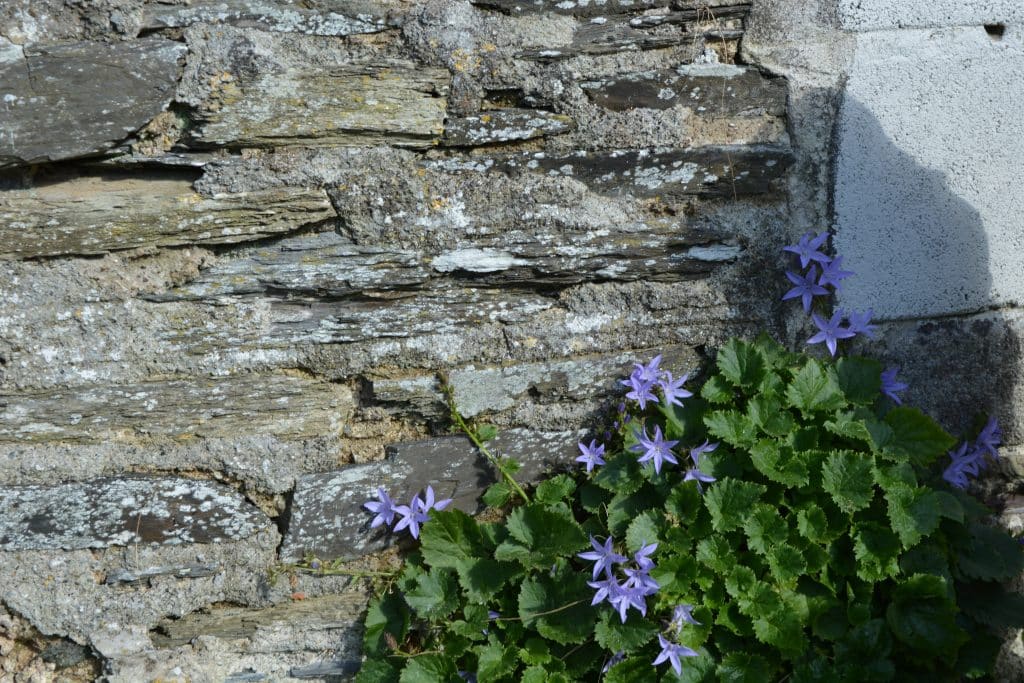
(817, 541)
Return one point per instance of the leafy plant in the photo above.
(817, 541)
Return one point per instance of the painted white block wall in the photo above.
(929, 183)
(867, 15)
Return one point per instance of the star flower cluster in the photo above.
(410, 516)
(971, 458)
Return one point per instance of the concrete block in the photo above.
(927, 199)
(868, 15)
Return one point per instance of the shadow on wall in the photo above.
(921, 253)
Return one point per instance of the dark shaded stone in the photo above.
(62, 101)
(121, 512)
(327, 517)
(503, 125)
(703, 171)
(711, 89)
(599, 8)
(325, 669)
(64, 653)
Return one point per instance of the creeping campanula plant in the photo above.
(785, 517)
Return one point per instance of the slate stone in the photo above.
(707, 89)
(122, 512)
(503, 125)
(600, 8)
(327, 517)
(94, 214)
(62, 101)
(194, 571)
(361, 103)
(726, 171)
(345, 18)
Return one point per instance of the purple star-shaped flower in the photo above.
(593, 454)
(830, 332)
(603, 557)
(642, 557)
(989, 438)
(832, 273)
(615, 659)
(649, 372)
(657, 449)
(673, 389)
(683, 614)
(694, 474)
(860, 323)
(806, 287)
(961, 464)
(607, 588)
(630, 596)
(890, 386)
(700, 450)
(415, 514)
(807, 249)
(641, 391)
(384, 510)
(671, 652)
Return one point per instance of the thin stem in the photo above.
(471, 433)
(543, 614)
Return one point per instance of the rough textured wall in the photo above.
(240, 242)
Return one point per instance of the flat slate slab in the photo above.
(121, 512)
(347, 18)
(503, 125)
(327, 517)
(358, 104)
(61, 101)
(99, 213)
(708, 89)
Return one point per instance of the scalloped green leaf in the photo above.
(744, 667)
(815, 388)
(923, 617)
(913, 512)
(645, 528)
(860, 379)
(555, 489)
(780, 462)
(730, 500)
(494, 660)
(848, 477)
(429, 668)
(765, 528)
(877, 550)
(615, 636)
(786, 563)
(451, 537)
(547, 531)
(436, 594)
(558, 606)
(768, 414)
(732, 427)
(717, 390)
(741, 363)
(915, 437)
(990, 554)
(621, 474)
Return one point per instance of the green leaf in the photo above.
(486, 432)
(990, 604)
(866, 650)
(547, 531)
(990, 555)
(646, 528)
(779, 463)
(482, 578)
(916, 437)
(760, 600)
(922, 616)
(435, 595)
(740, 581)
(498, 494)
(786, 563)
(535, 651)
(812, 523)
(494, 660)
(913, 512)
(696, 670)
(684, 502)
(715, 552)
(623, 509)
(614, 636)
(853, 425)
(717, 390)
(675, 573)
(555, 489)
(815, 389)
(732, 427)
(877, 549)
(429, 669)
(860, 379)
(386, 619)
(630, 670)
(743, 667)
(847, 476)
(741, 363)
(376, 671)
(451, 537)
(558, 606)
(775, 354)
(784, 631)
(730, 500)
(768, 415)
(620, 474)
(765, 528)
(593, 498)
(685, 421)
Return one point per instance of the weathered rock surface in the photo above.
(346, 18)
(72, 100)
(587, 8)
(355, 104)
(710, 89)
(327, 517)
(277, 404)
(503, 125)
(107, 512)
(93, 214)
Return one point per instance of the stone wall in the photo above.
(242, 241)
